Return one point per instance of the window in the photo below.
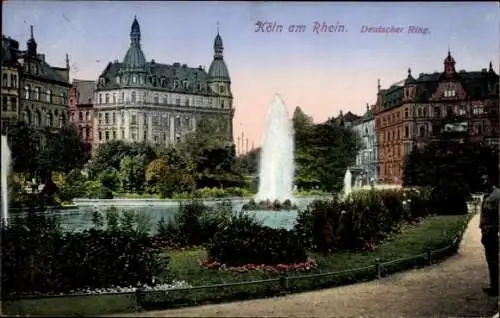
(221, 104)
(114, 134)
(81, 131)
(186, 84)
(477, 110)
(221, 89)
(117, 79)
(178, 101)
(107, 135)
(133, 97)
(100, 135)
(165, 99)
(62, 120)
(176, 84)
(38, 119)
(437, 111)
(106, 118)
(421, 131)
(27, 92)
(87, 132)
(49, 96)
(114, 118)
(145, 96)
(100, 118)
(114, 98)
(419, 112)
(13, 104)
(100, 98)
(141, 79)
(123, 98)
(145, 135)
(134, 136)
(123, 118)
(87, 116)
(80, 116)
(133, 120)
(462, 110)
(156, 99)
(186, 102)
(134, 79)
(123, 134)
(107, 99)
(4, 103)
(425, 111)
(13, 80)
(62, 98)
(5, 80)
(199, 87)
(407, 131)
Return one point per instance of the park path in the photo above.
(452, 288)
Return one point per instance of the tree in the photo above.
(109, 155)
(24, 146)
(132, 173)
(249, 162)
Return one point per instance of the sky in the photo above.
(321, 72)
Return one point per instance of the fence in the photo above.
(280, 285)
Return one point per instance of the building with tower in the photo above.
(411, 112)
(365, 170)
(137, 100)
(10, 83)
(43, 89)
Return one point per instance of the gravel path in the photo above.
(449, 289)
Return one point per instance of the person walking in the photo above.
(488, 224)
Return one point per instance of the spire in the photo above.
(409, 71)
(449, 64)
(218, 45)
(367, 107)
(67, 61)
(31, 44)
(491, 67)
(134, 58)
(135, 32)
(378, 84)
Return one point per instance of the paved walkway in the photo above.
(452, 288)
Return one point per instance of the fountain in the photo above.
(347, 183)
(5, 173)
(276, 171)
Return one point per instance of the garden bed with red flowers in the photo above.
(279, 268)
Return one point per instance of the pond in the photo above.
(81, 218)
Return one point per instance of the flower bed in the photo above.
(269, 205)
(280, 268)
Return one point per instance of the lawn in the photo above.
(433, 233)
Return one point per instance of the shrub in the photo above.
(188, 222)
(361, 221)
(245, 241)
(39, 258)
(450, 199)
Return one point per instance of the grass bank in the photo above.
(433, 233)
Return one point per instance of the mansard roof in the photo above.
(158, 76)
(84, 91)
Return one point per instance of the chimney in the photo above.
(367, 107)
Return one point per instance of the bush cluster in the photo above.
(361, 221)
(245, 241)
(38, 257)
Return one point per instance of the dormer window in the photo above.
(449, 91)
(37, 93)
(101, 81)
(107, 98)
(462, 110)
(100, 98)
(134, 79)
(156, 99)
(27, 92)
(49, 96)
(141, 79)
(199, 87)
(176, 84)
(221, 89)
(186, 84)
(118, 80)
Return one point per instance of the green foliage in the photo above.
(448, 161)
(38, 152)
(363, 220)
(244, 241)
(39, 258)
(132, 173)
(110, 178)
(95, 190)
(322, 153)
(249, 162)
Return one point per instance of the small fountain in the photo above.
(5, 174)
(276, 170)
(347, 183)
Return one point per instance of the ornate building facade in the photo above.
(136, 100)
(44, 89)
(10, 83)
(409, 113)
(81, 112)
(366, 169)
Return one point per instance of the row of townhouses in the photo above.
(411, 112)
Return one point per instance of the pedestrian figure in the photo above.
(489, 232)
